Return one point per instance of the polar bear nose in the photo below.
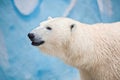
(31, 36)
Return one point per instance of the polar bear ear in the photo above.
(72, 27)
(50, 18)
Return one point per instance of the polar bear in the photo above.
(93, 49)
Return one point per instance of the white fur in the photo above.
(49, 17)
(93, 49)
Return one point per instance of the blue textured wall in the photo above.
(21, 61)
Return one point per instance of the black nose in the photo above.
(31, 36)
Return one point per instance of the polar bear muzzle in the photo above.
(35, 41)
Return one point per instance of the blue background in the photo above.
(19, 60)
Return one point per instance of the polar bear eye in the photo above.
(49, 28)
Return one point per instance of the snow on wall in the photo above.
(26, 6)
(105, 9)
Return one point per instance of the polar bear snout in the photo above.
(36, 41)
(31, 36)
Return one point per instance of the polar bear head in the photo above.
(53, 35)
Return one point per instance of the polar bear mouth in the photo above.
(37, 43)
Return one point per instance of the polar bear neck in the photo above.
(88, 42)
(81, 44)
(96, 50)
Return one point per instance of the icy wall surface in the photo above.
(21, 61)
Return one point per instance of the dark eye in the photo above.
(49, 28)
